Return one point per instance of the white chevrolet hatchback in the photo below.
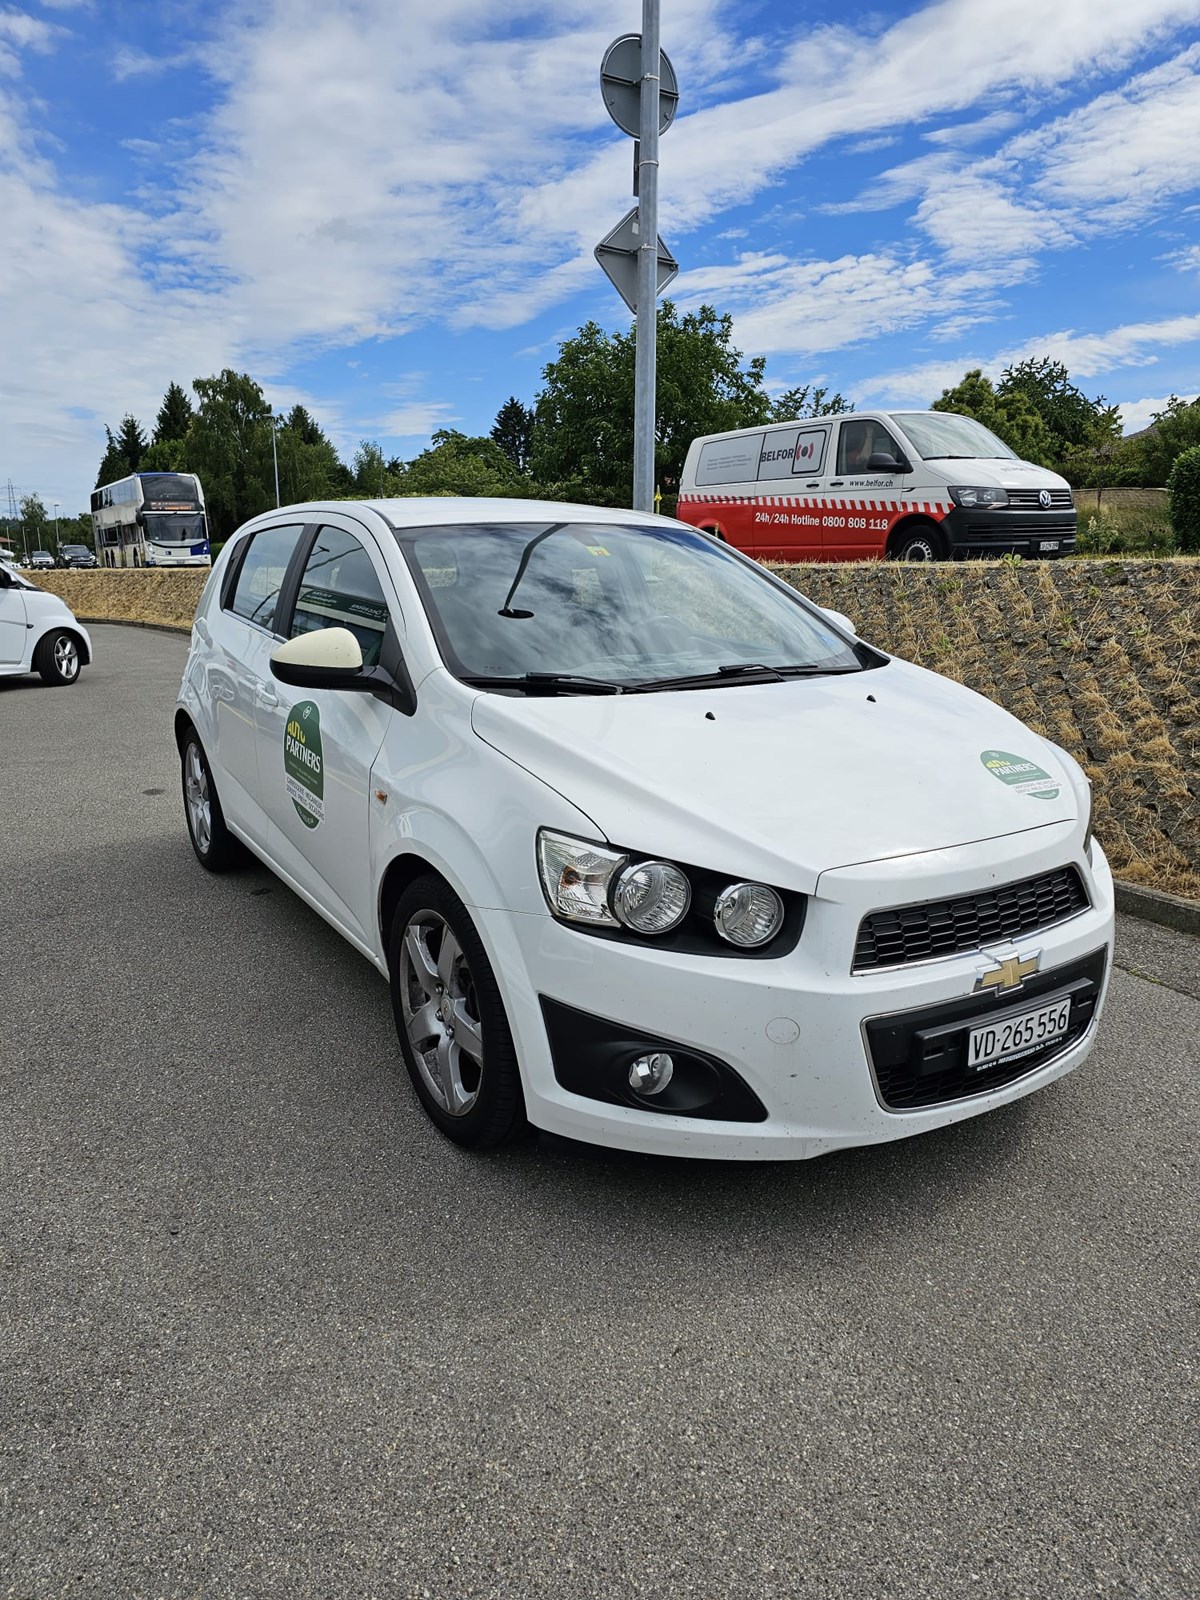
(653, 852)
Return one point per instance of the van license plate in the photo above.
(1048, 544)
(1017, 1036)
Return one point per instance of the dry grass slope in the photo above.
(1103, 657)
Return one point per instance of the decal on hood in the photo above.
(1026, 777)
(304, 764)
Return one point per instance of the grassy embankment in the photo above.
(1103, 657)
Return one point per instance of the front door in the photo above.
(317, 747)
(13, 630)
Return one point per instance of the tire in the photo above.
(57, 659)
(450, 1020)
(922, 543)
(216, 848)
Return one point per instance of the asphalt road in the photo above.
(264, 1333)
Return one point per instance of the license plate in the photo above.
(1048, 544)
(1017, 1036)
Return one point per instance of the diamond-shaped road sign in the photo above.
(617, 254)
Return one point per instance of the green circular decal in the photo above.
(1026, 777)
(304, 764)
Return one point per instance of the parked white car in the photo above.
(654, 852)
(38, 632)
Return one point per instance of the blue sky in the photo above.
(386, 210)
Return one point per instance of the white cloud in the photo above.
(1139, 414)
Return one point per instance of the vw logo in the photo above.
(1044, 499)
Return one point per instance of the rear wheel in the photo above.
(920, 543)
(453, 1031)
(216, 848)
(57, 659)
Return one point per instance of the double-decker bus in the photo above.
(151, 519)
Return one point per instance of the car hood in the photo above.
(785, 781)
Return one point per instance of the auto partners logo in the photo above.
(1026, 777)
(304, 763)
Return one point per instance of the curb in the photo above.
(1171, 910)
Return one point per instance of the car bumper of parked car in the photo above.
(990, 532)
(794, 1057)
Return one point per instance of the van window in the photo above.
(859, 440)
(793, 452)
(729, 460)
(945, 436)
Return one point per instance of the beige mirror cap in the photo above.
(326, 647)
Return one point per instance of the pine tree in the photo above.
(174, 416)
(131, 442)
(513, 431)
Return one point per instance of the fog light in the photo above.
(651, 1074)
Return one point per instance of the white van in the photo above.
(913, 485)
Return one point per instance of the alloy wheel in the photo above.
(440, 1011)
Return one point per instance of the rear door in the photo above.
(317, 747)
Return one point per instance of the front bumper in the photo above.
(989, 532)
(793, 1031)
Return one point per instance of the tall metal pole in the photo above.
(647, 279)
(275, 459)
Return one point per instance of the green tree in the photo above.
(34, 522)
(309, 468)
(1173, 430)
(165, 455)
(131, 441)
(173, 420)
(459, 463)
(513, 431)
(113, 464)
(229, 446)
(1184, 487)
(372, 479)
(583, 427)
(1074, 423)
(805, 401)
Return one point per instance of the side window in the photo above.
(256, 589)
(728, 461)
(339, 588)
(859, 440)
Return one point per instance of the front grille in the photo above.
(906, 934)
(1028, 499)
(919, 1058)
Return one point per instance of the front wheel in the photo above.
(920, 544)
(450, 1019)
(57, 659)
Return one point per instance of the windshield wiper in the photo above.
(548, 683)
(739, 672)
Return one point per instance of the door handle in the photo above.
(837, 483)
(266, 695)
(815, 484)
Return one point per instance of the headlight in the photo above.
(978, 496)
(748, 914)
(575, 878)
(652, 897)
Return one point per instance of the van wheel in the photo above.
(450, 1019)
(920, 544)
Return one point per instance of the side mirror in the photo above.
(329, 658)
(882, 461)
(842, 621)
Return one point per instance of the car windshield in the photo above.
(613, 604)
(943, 436)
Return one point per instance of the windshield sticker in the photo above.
(304, 764)
(1026, 777)
(596, 549)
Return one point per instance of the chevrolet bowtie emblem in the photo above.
(1008, 974)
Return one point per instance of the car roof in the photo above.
(419, 511)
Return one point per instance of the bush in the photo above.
(1126, 531)
(1184, 491)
